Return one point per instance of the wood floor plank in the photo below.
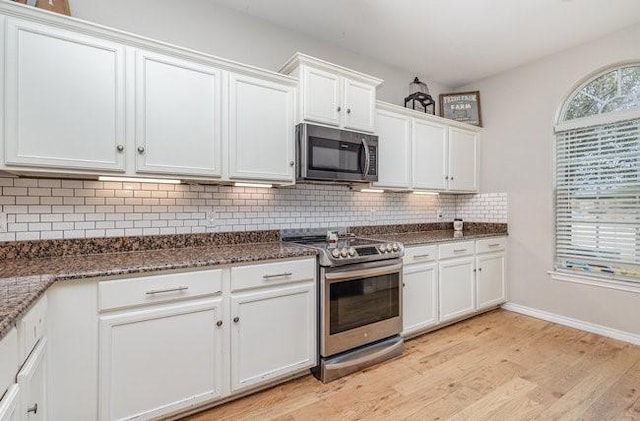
(496, 366)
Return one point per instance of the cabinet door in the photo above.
(394, 146)
(159, 360)
(490, 288)
(360, 106)
(273, 333)
(261, 129)
(321, 96)
(429, 141)
(64, 99)
(178, 124)
(10, 404)
(456, 288)
(33, 384)
(463, 160)
(419, 297)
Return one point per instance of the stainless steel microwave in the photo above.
(328, 154)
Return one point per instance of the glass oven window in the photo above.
(331, 155)
(360, 302)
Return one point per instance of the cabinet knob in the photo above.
(475, 270)
(479, 269)
(33, 409)
(236, 319)
(446, 177)
(404, 285)
(120, 148)
(219, 323)
(292, 163)
(348, 110)
(339, 109)
(451, 178)
(141, 149)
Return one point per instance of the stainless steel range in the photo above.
(360, 301)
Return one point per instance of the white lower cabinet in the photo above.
(490, 280)
(158, 360)
(32, 380)
(272, 333)
(456, 287)
(419, 297)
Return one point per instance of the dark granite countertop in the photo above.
(23, 281)
(437, 236)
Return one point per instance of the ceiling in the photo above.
(453, 42)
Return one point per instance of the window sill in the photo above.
(584, 279)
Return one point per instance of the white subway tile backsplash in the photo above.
(52, 208)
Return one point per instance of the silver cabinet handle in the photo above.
(140, 149)
(421, 256)
(33, 409)
(219, 323)
(494, 245)
(339, 109)
(277, 275)
(236, 319)
(120, 148)
(292, 163)
(459, 250)
(161, 291)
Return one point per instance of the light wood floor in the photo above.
(497, 366)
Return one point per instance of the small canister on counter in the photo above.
(457, 224)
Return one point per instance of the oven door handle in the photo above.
(367, 159)
(363, 273)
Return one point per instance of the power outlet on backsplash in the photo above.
(439, 214)
(372, 215)
(211, 217)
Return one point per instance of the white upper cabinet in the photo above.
(261, 129)
(429, 141)
(178, 116)
(359, 101)
(322, 99)
(64, 99)
(333, 95)
(442, 155)
(463, 160)
(394, 147)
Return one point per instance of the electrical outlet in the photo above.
(372, 215)
(3, 222)
(211, 218)
(439, 213)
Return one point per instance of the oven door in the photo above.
(361, 303)
(336, 155)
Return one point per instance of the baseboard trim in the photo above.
(578, 324)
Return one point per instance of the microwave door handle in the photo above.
(367, 161)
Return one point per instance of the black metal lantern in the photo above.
(419, 98)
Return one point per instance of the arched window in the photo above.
(597, 196)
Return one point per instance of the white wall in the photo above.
(519, 108)
(223, 32)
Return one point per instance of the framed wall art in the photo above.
(461, 106)
(58, 6)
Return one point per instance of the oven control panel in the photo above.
(363, 251)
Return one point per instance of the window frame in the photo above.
(588, 278)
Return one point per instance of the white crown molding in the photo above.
(577, 324)
(303, 59)
(381, 105)
(20, 11)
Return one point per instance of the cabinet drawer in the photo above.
(491, 244)
(32, 328)
(158, 288)
(420, 254)
(267, 274)
(457, 249)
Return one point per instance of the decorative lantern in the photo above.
(419, 98)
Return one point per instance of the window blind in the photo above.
(598, 200)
